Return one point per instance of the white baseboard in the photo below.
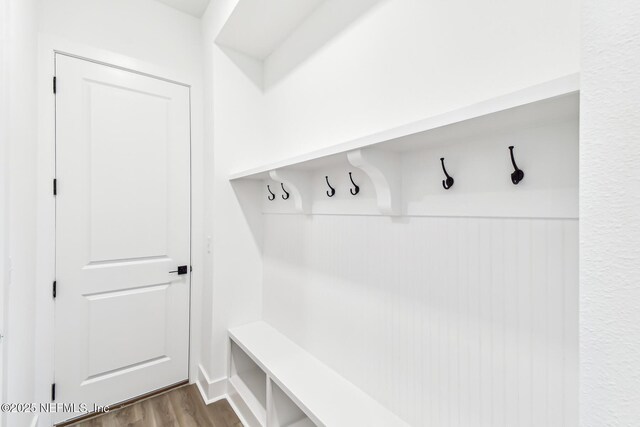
(214, 390)
(211, 390)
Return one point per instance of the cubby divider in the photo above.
(250, 382)
(282, 411)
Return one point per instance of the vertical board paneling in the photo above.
(540, 314)
(475, 325)
(465, 337)
(555, 302)
(447, 321)
(525, 324)
(486, 288)
(570, 366)
(510, 272)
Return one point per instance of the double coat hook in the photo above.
(272, 195)
(518, 174)
(332, 191)
(446, 183)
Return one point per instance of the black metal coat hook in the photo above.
(332, 190)
(356, 188)
(518, 174)
(272, 196)
(446, 183)
(285, 192)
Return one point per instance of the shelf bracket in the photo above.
(296, 183)
(383, 169)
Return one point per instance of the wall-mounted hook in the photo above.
(446, 183)
(332, 191)
(272, 196)
(285, 192)
(518, 174)
(356, 188)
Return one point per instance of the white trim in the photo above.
(211, 390)
(215, 390)
(45, 257)
(80, 50)
(45, 249)
(120, 67)
(203, 394)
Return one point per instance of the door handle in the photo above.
(182, 269)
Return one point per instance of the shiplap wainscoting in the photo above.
(446, 321)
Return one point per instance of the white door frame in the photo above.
(48, 45)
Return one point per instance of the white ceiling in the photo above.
(192, 7)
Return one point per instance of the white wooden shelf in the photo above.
(399, 171)
(257, 27)
(325, 397)
(554, 99)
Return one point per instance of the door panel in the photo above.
(122, 224)
(141, 320)
(128, 158)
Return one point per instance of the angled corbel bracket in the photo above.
(383, 169)
(296, 183)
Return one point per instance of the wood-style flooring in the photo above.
(179, 407)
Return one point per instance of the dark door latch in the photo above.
(182, 269)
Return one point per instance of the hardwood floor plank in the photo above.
(96, 422)
(129, 416)
(105, 420)
(190, 413)
(163, 411)
(179, 407)
(147, 413)
(223, 415)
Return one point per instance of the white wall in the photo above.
(234, 116)
(361, 293)
(19, 344)
(4, 176)
(405, 60)
(145, 30)
(609, 206)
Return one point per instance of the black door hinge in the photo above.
(55, 187)
(54, 84)
(53, 392)
(55, 288)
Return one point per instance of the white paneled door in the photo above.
(122, 231)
